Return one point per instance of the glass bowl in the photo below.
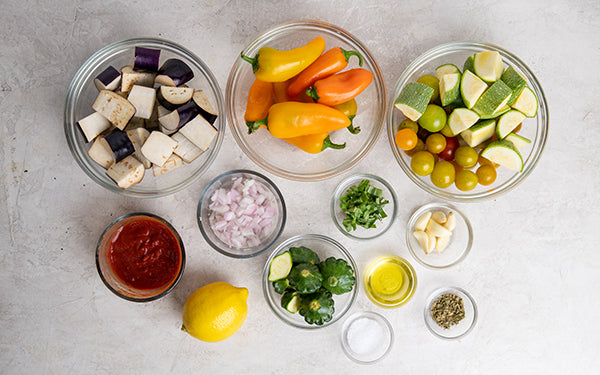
(390, 208)
(115, 283)
(390, 281)
(359, 339)
(535, 129)
(82, 93)
(458, 330)
(278, 156)
(324, 247)
(271, 232)
(460, 243)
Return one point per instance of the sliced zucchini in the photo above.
(446, 69)
(515, 81)
(461, 119)
(508, 122)
(449, 88)
(519, 141)
(504, 153)
(498, 113)
(468, 65)
(291, 301)
(280, 266)
(493, 99)
(526, 102)
(479, 133)
(413, 99)
(488, 65)
(471, 88)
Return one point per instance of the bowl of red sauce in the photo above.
(140, 257)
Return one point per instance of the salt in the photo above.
(365, 335)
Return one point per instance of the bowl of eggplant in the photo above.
(144, 117)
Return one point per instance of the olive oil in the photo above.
(390, 281)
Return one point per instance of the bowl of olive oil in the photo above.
(390, 281)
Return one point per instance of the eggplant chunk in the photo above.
(93, 125)
(146, 59)
(101, 153)
(119, 143)
(172, 162)
(127, 172)
(143, 99)
(179, 117)
(205, 108)
(174, 72)
(158, 147)
(185, 148)
(200, 132)
(130, 77)
(115, 108)
(138, 136)
(109, 79)
(173, 97)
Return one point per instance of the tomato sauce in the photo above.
(145, 254)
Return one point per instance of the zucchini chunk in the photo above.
(109, 79)
(114, 107)
(280, 266)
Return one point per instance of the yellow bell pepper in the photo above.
(314, 143)
(272, 65)
(349, 108)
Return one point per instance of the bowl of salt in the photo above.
(367, 337)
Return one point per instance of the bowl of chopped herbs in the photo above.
(363, 206)
(450, 312)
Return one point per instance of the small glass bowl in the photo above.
(281, 158)
(113, 282)
(460, 241)
(82, 93)
(400, 294)
(535, 129)
(225, 181)
(374, 350)
(458, 330)
(324, 247)
(381, 226)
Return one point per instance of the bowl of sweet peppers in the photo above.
(305, 100)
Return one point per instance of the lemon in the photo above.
(215, 311)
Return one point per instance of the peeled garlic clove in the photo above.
(422, 221)
(441, 243)
(450, 223)
(437, 230)
(439, 217)
(423, 240)
(432, 240)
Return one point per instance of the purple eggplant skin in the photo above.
(146, 59)
(109, 79)
(120, 144)
(210, 117)
(174, 72)
(187, 112)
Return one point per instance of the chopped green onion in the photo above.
(363, 206)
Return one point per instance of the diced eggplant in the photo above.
(130, 77)
(127, 172)
(109, 79)
(119, 143)
(179, 117)
(101, 153)
(172, 162)
(200, 132)
(115, 108)
(143, 99)
(158, 147)
(138, 136)
(205, 108)
(173, 97)
(134, 123)
(93, 125)
(152, 123)
(185, 148)
(174, 72)
(146, 59)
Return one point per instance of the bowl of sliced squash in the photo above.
(309, 281)
(467, 121)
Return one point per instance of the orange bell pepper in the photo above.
(314, 143)
(340, 87)
(260, 99)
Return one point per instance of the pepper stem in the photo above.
(312, 92)
(348, 54)
(252, 61)
(255, 125)
(351, 128)
(328, 144)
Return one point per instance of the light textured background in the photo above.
(534, 269)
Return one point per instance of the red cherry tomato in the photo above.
(448, 152)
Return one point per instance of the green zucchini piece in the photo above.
(471, 88)
(526, 102)
(508, 122)
(446, 69)
(488, 65)
(461, 119)
(413, 99)
(493, 99)
(468, 65)
(280, 266)
(449, 88)
(515, 81)
(291, 301)
(504, 153)
(479, 133)
(517, 140)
